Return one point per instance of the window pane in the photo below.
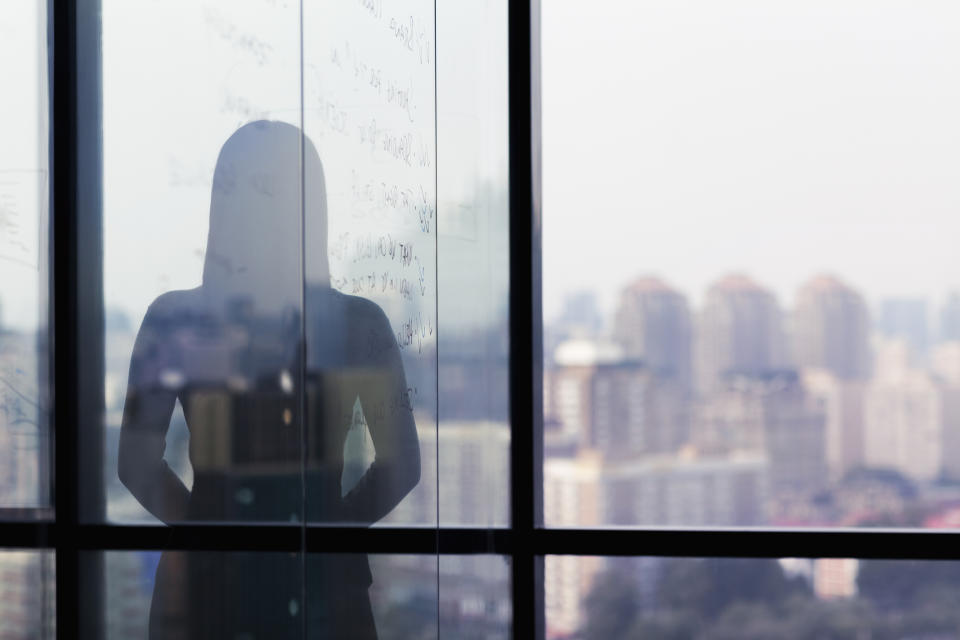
(473, 600)
(369, 87)
(473, 269)
(750, 283)
(201, 270)
(27, 594)
(183, 594)
(714, 598)
(211, 320)
(474, 592)
(401, 601)
(404, 596)
(475, 597)
(24, 231)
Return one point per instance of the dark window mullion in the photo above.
(76, 306)
(874, 544)
(525, 315)
(63, 303)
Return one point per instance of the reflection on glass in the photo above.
(475, 597)
(473, 438)
(271, 304)
(241, 62)
(402, 604)
(24, 228)
(167, 111)
(133, 608)
(369, 104)
(231, 352)
(720, 598)
(27, 594)
(750, 307)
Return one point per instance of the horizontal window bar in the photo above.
(747, 543)
(27, 535)
(893, 544)
(255, 537)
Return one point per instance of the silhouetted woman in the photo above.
(267, 362)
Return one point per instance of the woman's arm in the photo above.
(386, 403)
(146, 418)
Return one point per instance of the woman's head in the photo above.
(268, 197)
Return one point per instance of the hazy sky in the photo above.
(781, 139)
(684, 139)
(170, 102)
(23, 176)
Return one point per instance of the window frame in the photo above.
(76, 314)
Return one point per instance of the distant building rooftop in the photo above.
(649, 284)
(584, 353)
(737, 282)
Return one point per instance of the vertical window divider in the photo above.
(76, 307)
(525, 316)
(62, 49)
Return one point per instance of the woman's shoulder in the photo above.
(357, 310)
(174, 306)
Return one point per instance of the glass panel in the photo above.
(369, 108)
(475, 597)
(749, 276)
(715, 598)
(27, 594)
(179, 594)
(474, 592)
(400, 601)
(201, 269)
(24, 234)
(474, 434)
(403, 596)
(271, 301)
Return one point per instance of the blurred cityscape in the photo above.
(762, 599)
(27, 590)
(743, 413)
(739, 412)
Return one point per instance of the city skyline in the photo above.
(940, 309)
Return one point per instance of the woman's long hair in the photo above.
(266, 175)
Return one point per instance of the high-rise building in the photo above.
(27, 594)
(911, 418)
(580, 316)
(617, 407)
(652, 324)
(906, 319)
(686, 490)
(636, 412)
(466, 483)
(739, 332)
(567, 384)
(835, 577)
(949, 329)
(945, 362)
(773, 415)
(24, 433)
(657, 490)
(842, 404)
(832, 329)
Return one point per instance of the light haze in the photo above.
(779, 139)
